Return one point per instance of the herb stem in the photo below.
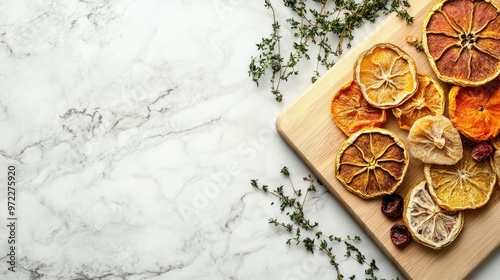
(336, 19)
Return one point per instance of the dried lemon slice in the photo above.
(351, 112)
(496, 163)
(495, 142)
(468, 184)
(433, 139)
(427, 100)
(386, 75)
(372, 162)
(461, 39)
(475, 112)
(429, 224)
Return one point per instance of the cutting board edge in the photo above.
(280, 128)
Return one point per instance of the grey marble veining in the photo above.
(135, 131)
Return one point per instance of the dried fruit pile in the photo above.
(460, 148)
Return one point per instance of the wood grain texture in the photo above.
(309, 130)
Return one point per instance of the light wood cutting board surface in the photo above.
(309, 130)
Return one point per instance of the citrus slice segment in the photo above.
(461, 39)
(496, 163)
(468, 184)
(351, 112)
(427, 100)
(429, 224)
(495, 142)
(433, 139)
(371, 162)
(386, 75)
(475, 112)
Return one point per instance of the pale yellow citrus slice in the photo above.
(429, 224)
(433, 139)
(468, 184)
(496, 163)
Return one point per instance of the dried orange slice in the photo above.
(475, 112)
(427, 100)
(468, 184)
(461, 39)
(371, 162)
(351, 112)
(386, 74)
(429, 224)
(433, 139)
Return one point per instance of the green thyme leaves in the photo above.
(306, 233)
(321, 30)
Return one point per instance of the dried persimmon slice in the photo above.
(475, 112)
(433, 139)
(351, 112)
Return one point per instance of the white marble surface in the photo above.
(135, 131)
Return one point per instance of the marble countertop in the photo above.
(135, 130)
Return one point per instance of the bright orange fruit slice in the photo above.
(386, 75)
(427, 100)
(467, 184)
(351, 112)
(475, 112)
(461, 39)
(429, 224)
(371, 162)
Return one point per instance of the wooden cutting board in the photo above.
(309, 130)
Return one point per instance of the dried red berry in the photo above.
(392, 206)
(400, 235)
(481, 151)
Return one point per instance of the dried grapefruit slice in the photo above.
(386, 75)
(461, 39)
(433, 139)
(468, 184)
(475, 112)
(427, 100)
(351, 112)
(429, 224)
(371, 162)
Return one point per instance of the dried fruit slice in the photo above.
(427, 100)
(475, 112)
(429, 224)
(461, 39)
(496, 161)
(387, 75)
(351, 112)
(372, 162)
(433, 139)
(467, 184)
(495, 142)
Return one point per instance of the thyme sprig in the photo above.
(315, 23)
(307, 232)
